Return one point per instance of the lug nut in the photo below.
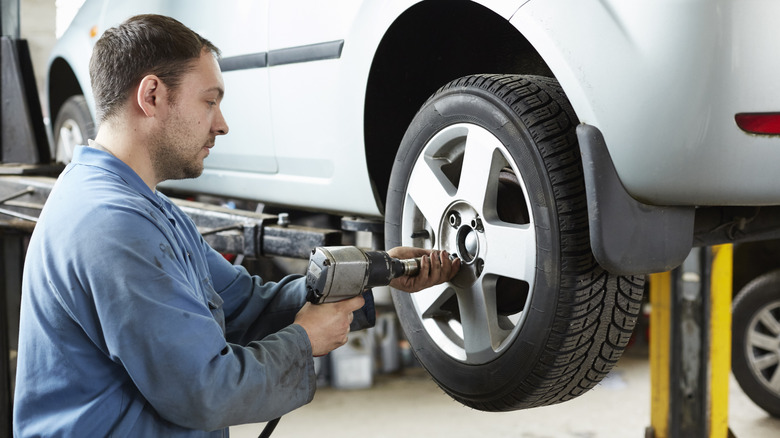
(476, 223)
(454, 219)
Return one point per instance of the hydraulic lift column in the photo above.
(690, 346)
(11, 257)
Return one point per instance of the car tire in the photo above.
(755, 352)
(490, 169)
(72, 127)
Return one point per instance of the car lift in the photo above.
(690, 346)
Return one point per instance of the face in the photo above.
(194, 120)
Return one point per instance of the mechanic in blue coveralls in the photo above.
(131, 324)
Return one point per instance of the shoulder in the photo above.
(90, 203)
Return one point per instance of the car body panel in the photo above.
(661, 79)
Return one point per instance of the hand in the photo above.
(435, 268)
(327, 324)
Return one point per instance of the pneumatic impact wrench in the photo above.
(337, 273)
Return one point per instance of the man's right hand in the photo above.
(327, 324)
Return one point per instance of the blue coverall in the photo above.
(131, 325)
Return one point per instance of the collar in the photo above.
(98, 156)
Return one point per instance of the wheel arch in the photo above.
(752, 260)
(61, 85)
(426, 47)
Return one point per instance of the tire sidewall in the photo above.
(483, 108)
(75, 108)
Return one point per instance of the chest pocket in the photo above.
(215, 303)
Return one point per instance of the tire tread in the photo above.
(596, 311)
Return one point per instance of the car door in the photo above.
(239, 29)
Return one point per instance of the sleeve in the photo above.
(158, 326)
(254, 309)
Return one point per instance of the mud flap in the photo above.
(628, 237)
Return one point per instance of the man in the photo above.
(131, 325)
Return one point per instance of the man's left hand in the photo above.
(435, 268)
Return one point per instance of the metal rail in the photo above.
(226, 230)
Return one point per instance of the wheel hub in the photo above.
(468, 244)
(463, 235)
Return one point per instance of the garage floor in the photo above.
(410, 404)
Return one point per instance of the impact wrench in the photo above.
(337, 273)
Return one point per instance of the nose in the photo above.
(220, 126)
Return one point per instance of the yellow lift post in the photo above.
(690, 346)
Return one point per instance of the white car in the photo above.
(561, 148)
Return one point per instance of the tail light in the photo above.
(759, 123)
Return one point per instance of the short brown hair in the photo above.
(142, 45)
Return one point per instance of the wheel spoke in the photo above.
(481, 332)
(766, 361)
(774, 382)
(429, 301)
(770, 322)
(478, 178)
(428, 188)
(762, 341)
(511, 250)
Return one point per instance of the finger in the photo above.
(436, 267)
(425, 268)
(407, 252)
(454, 268)
(338, 342)
(353, 304)
(446, 265)
(399, 252)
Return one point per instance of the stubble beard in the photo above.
(170, 162)
(172, 154)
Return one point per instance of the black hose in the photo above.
(269, 428)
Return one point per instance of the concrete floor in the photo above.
(411, 405)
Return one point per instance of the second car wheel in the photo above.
(755, 352)
(489, 170)
(72, 127)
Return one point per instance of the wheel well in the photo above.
(752, 259)
(429, 45)
(62, 85)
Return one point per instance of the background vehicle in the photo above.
(572, 146)
(755, 350)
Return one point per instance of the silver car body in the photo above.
(661, 79)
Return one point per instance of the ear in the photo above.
(151, 94)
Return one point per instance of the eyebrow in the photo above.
(220, 91)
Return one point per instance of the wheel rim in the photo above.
(763, 346)
(465, 195)
(69, 137)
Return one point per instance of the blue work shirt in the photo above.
(131, 325)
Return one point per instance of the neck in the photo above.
(131, 149)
